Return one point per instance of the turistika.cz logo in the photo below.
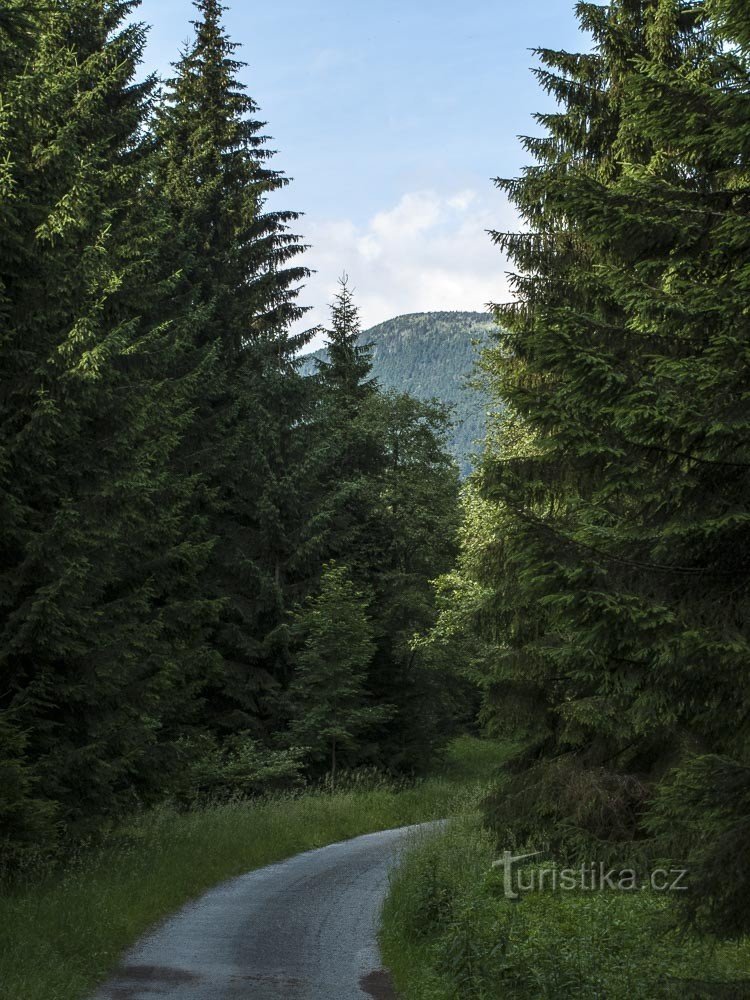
(593, 876)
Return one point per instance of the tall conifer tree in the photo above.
(239, 288)
(86, 659)
(328, 699)
(625, 508)
(387, 505)
(349, 453)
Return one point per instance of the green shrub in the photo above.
(239, 768)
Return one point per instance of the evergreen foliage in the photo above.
(614, 564)
(216, 557)
(349, 450)
(345, 367)
(85, 646)
(388, 506)
(239, 284)
(432, 356)
(328, 699)
(171, 485)
(415, 540)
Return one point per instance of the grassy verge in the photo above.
(61, 934)
(450, 934)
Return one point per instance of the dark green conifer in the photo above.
(619, 596)
(349, 453)
(346, 371)
(413, 539)
(328, 699)
(388, 506)
(86, 655)
(239, 288)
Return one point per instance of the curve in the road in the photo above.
(303, 929)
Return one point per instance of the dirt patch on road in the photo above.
(132, 978)
(378, 985)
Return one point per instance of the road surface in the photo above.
(303, 929)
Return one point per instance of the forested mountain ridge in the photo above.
(431, 355)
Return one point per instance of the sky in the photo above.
(391, 119)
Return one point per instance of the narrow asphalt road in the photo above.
(303, 929)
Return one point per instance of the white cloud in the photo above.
(462, 200)
(427, 252)
(414, 215)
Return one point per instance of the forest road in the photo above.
(302, 929)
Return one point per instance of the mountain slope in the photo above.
(430, 355)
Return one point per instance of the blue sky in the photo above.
(391, 118)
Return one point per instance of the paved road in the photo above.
(303, 929)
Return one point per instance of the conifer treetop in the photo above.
(349, 365)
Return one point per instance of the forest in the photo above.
(433, 356)
(225, 571)
(191, 527)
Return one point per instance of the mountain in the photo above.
(431, 355)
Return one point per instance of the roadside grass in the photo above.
(448, 933)
(471, 763)
(61, 933)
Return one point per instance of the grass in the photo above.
(62, 933)
(449, 934)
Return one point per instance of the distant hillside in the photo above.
(430, 355)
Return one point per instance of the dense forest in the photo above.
(190, 527)
(220, 570)
(602, 593)
(433, 356)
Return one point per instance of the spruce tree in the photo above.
(625, 509)
(87, 655)
(239, 286)
(349, 453)
(702, 809)
(412, 540)
(25, 817)
(388, 506)
(328, 699)
(346, 371)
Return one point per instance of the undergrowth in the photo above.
(449, 933)
(63, 929)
